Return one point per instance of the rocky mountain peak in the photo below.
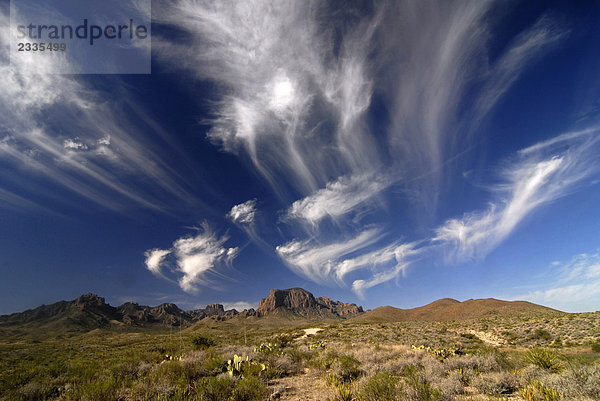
(89, 300)
(292, 298)
(214, 309)
(301, 302)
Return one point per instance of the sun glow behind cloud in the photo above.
(282, 94)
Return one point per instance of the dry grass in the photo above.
(356, 361)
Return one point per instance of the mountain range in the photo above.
(89, 311)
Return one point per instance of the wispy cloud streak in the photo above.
(66, 132)
(338, 198)
(401, 256)
(541, 174)
(528, 46)
(320, 262)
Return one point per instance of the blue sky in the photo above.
(385, 154)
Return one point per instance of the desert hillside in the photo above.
(450, 309)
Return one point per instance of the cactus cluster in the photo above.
(318, 345)
(267, 348)
(440, 353)
(234, 366)
(238, 366)
(172, 358)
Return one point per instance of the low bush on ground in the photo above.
(346, 369)
(419, 388)
(200, 341)
(380, 387)
(544, 358)
(536, 391)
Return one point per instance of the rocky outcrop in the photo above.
(341, 308)
(294, 299)
(132, 314)
(248, 313)
(213, 311)
(297, 301)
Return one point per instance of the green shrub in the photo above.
(501, 358)
(214, 388)
(596, 346)
(536, 391)
(463, 376)
(344, 393)
(170, 372)
(420, 389)
(298, 356)
(101, 389)
(34, 391)
(540, 334)
(380, 387)
(469, 336)
(249, 389)
(544, 358)
(214, 364)
(496, 383)
(346, 368)
(200, 341)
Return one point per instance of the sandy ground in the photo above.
(489, 338)
(310, 332)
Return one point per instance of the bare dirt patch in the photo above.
(310, 332)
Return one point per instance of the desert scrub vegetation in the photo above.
(401, 372)
(545, 359)
(411, 361)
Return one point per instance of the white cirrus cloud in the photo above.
(85, 141)
(541, 174)
(332, 262)
(243, 213)
(433, 59)
(196, 259)
(294, 101)
(525, 48)
(338, 198)
(283, 78)
(319, 262)
(74, 144)
(536, 176)
(155, 259)
(401, 256)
